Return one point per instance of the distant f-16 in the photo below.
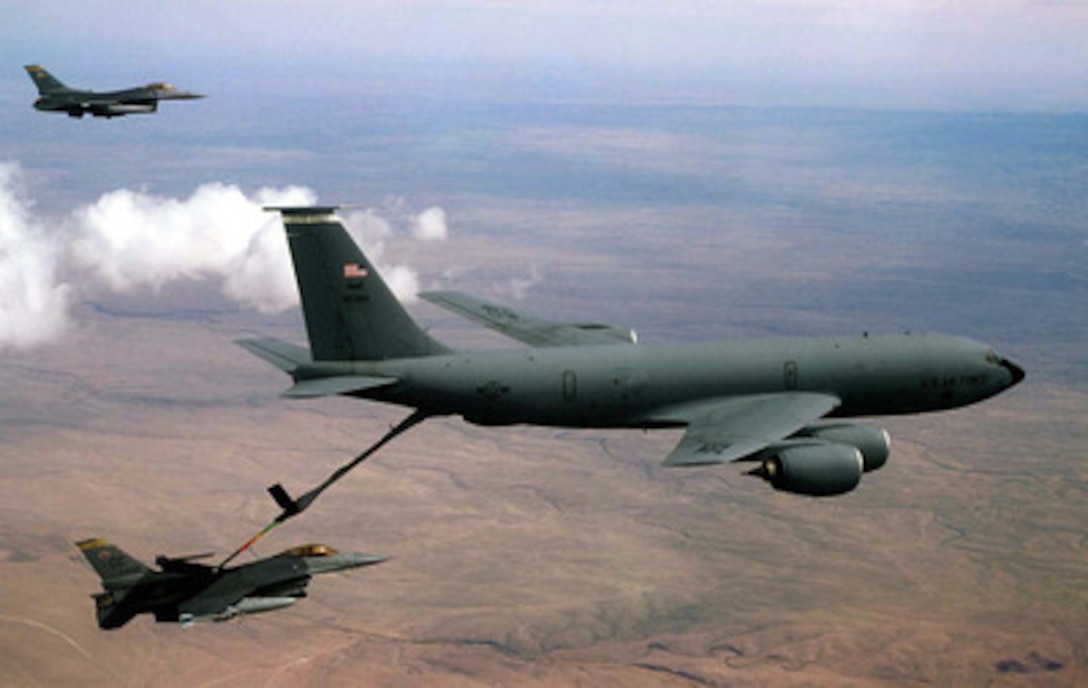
(56, 97)
(185, 591)
(777, 402)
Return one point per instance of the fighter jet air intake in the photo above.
(779, 403)
(56, 97)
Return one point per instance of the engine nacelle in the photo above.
(817, 469)
(873, 443)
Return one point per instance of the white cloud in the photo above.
(372, 230)
(430, 225)
(33, 300)
(128, 240)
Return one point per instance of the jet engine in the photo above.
(873, 443)
(814, 468)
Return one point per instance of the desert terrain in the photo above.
(523, 556)
(529, 556)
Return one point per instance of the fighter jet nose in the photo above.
(1016, 372)
(367, 559)
(175, 94)
(341, 561)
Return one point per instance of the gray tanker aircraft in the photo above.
(777, 402)
(185, 591)
(56, 97)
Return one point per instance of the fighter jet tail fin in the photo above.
(110, 561)
(46, 82)
(350, 313)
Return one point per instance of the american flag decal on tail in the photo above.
(354, 271)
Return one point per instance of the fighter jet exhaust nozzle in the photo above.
(814, 469)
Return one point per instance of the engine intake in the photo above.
(817, 469)
(873, 443)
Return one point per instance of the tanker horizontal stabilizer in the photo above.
(331, 386)
(527, 329)
(287, 357)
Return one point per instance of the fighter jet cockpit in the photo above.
(309, 551)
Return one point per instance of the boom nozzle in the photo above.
(290, 507)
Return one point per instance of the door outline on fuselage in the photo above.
(789, 375)
(570, 385)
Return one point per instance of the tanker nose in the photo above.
(1015, 372)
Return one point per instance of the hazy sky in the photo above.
(348, 101)
(999, 54)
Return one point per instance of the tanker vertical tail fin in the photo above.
(351, 315)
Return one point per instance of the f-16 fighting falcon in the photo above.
(781, 403)
(185, 591)
(56, 97)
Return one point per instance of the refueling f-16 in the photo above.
(185, 591)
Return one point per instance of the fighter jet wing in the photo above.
(217, 597)
(732, 428)
(273, 578)
(531, 331)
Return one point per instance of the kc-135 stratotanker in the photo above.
(781, 403)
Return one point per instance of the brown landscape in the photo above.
(694, 170)
(523, 556)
